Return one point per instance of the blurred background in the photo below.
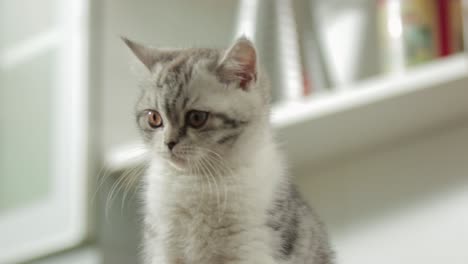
(370, 104)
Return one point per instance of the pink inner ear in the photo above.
(245, 78)
(240, 63)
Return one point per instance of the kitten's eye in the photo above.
(154, 119)
(196, 119)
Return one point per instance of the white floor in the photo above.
(406, 202)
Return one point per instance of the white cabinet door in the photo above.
(43, 127)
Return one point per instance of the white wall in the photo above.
(406, 202)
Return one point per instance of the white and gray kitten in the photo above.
(217, 190)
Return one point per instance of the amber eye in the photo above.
(196, 119)
(154, 119)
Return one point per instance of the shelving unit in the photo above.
(429, 95)
(432, 94)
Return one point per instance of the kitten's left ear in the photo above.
(239, 64)
(148, 56)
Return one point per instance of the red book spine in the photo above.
(445, 38)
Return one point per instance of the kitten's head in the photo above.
(201, 105)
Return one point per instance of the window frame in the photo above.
(59, 220)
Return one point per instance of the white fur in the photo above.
(184, 226)
(221, 220)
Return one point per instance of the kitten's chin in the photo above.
(178, 163)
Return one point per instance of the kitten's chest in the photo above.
(198, 233)
(201, 225)
(199, 217)
(191, 218)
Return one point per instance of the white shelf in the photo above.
(374, 112)
(371, 91)
(366, 114)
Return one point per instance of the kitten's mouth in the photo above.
(178, 161)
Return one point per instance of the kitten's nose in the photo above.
(171, 145)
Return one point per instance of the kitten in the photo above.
(217, 190)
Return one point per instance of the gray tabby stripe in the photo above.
(184, 104)
(289, 236)
(230, 122)
(229, 138)
(183, 131)
(167, 108)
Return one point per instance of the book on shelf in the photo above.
(299, 56)
(412, 32)
(345, 37)
(315, 74)
(420, 31)
(456, 26)
(450, 27)
(464, 26)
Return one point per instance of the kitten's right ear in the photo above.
(147, 55)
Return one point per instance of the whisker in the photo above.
(220, 166)
(131, 178)
(110, 197)
(216, 169)
(228, 172)
(103, 176)
(200, 183)
(211, 172)
(211, 161)
(203, 172)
